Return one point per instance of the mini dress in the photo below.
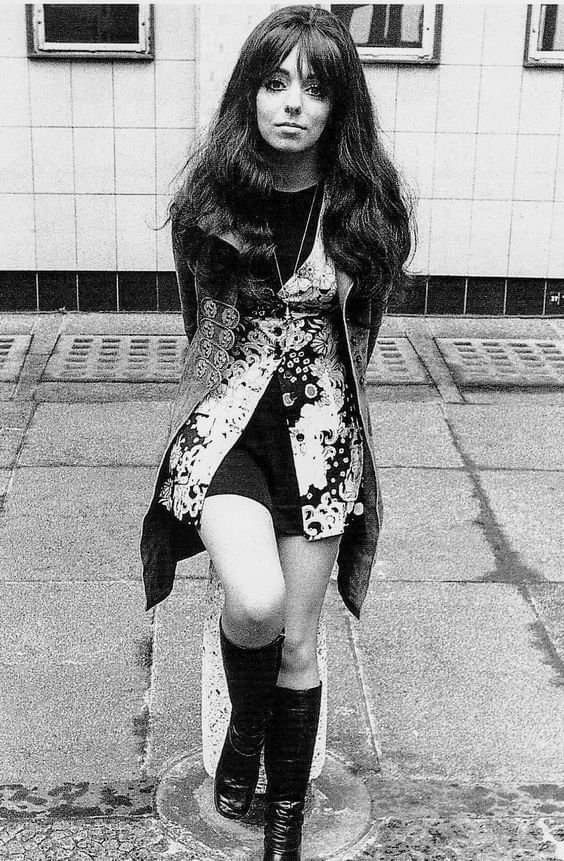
(282, 426)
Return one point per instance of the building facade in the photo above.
(90, 149)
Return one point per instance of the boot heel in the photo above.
(251, 676)
(288, 754)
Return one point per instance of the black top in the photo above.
(287, 213)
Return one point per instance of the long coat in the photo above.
(211, 331)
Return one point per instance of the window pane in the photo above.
(551, 30)
(382, 26)
(69, 23)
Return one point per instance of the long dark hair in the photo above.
(366, 221)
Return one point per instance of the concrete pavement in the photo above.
(447, 699)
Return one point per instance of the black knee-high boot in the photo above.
(288, 754)
(251, 676)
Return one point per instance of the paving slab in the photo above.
(175, 703)
(529, 507)
(103, 392)
(15, 414)
(522, 395)
(74, 672)
(511, 436)
(433, 527)
(408, 434)
(10, 443)
(349, 733)
(459, 686)
(548, 601)
(74, 523)
(122, 323)
(89, 434)
(444, 326)
(4, 481)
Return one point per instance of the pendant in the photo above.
(288, 314)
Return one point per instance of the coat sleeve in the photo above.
(187, 292)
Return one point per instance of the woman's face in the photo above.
(292, 111)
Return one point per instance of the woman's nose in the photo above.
(293, 99)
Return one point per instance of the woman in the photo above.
(292, 222)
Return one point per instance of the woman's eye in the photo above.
(274, 84)
(316, 90)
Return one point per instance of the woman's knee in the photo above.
(259, 613)
(299, 653)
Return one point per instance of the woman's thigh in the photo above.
(307, 567)
(239, 536)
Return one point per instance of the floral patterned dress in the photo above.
(297, 338)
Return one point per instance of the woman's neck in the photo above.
(294, 171)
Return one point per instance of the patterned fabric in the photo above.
(325, 432)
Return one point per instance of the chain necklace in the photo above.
(288, 314)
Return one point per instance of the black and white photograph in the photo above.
(281, 424)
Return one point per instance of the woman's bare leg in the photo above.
(239, 536)
(307, 567)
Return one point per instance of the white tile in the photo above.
(454, 165)
(495, 166)
(56, 239)
(419, 262)
(559, 184)
(489, 239)
(53, 160)
(536, 167)
(541, 101)
(450, 237)
(92, 94)
(175, 31)
(94, 157)
(13, 40)
(172, 150)
(530, 233)
(136, 223)
(134, 94)
(175, 93)
(96, 231)
(382, 85)
(458, 99)
(499, 99)
(417, 99)
(14, 94)
(165, 259)
(504, 34)
(462, 33)
(17, 234)
(414, 153)
(135, 161)
(15, 164)
(556, 248)
(50, 93)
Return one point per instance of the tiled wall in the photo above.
(88, 150)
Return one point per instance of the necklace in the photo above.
(288, 314)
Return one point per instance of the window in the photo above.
(117, 30)
(393, 34)
(545, 35)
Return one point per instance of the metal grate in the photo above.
(504, 361)
(394, 361)
(13, 350)
(117, 358)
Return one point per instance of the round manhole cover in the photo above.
(337, 814)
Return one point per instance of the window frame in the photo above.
(38, 48)
(427, 55)
(533, 56)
